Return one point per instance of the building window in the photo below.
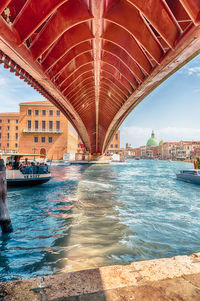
(29, 124)
(36, 139)
(17, 121)
(36, 124)
(57, 125)
(8, 120)
(8, 136)
(43, 124)
(16, 136)
(50, 139)
(16, 145)
(43, 112)
(0, 127)
(8, 128)
(36, 112)
(50, 112)
(29, 112)
(116, 146)
(57, 113)
(43, 139)
(16, 128)
(111, 145)
(0, 135)
(116, 137)
(50, 125)
(0, 120)
(7, 144)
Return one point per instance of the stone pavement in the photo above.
(167, 279)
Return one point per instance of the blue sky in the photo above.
(171, 110)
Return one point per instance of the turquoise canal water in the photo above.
(95, 215)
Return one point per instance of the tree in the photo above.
(198, 162)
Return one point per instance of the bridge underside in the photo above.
(97, 59)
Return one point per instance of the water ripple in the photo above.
(89, 216)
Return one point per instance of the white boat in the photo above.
(60, 163)
(24, 175)
(189, 175)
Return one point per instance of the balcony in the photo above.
(39, 130)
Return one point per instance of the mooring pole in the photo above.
(5, 221)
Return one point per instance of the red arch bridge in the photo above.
(97, 59)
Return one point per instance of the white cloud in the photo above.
(2, 81)
(14, 91)
(194, 70)
(138, 136)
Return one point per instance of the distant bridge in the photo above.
(97, 59)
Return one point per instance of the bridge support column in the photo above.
(5, 221)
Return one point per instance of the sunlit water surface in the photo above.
(96, 215)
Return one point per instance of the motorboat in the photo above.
(27, 174)
(60, 163)
(189, 175)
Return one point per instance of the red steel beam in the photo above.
(4, 4)
(123, 39)
(66, 17)
(193, 9)
(129, 18)
(68, 57)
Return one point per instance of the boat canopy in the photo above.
(191, 171)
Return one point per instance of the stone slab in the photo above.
(167, 279)
(22, 290)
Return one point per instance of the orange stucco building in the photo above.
(115, 142)
(38, 128)
(9, 131)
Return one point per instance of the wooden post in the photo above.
(5, 221)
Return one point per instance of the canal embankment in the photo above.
(166, 279)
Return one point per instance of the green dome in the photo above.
(152, 141)
(161, 142)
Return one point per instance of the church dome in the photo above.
(161, 142)
(152, 141)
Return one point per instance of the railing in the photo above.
(39, 130)
(5, 151)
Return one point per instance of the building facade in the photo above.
(9, 131)
(39, 128)
(115, 142)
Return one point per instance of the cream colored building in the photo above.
(39, 128)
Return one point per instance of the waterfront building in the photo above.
(114, 146)
(129, 151)
(168, 150)
(159, 149)
(143, 151)
(115, 142)
(137, 152)
(195, 153)
(133, 152)
(39, 128)
(9, 131)
(185, 149)
(152, 147)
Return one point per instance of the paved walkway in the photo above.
(167, 279)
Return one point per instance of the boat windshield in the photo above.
(34, 169)
(191, 172)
